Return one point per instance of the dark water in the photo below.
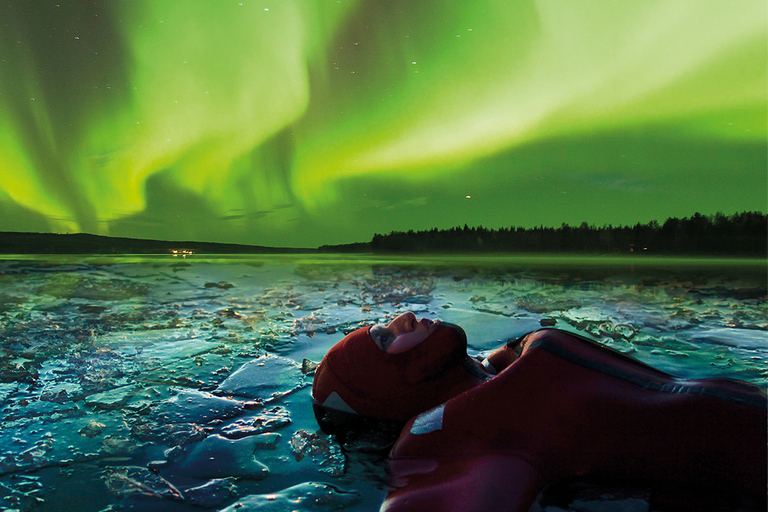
(162, 383)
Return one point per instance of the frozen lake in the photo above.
(171, 384)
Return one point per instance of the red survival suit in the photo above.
(564, 406)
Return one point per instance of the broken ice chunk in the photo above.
(111, 399)
(320, 448)
(309, 496)
(265, 377)
(267, 421)
(124, 481)
(198, 407)
(92, 429)
(219, 457)
(211, 494)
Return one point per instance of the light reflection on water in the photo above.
(110, 365)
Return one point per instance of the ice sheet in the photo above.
(121, 377)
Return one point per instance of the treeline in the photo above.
(742, 234)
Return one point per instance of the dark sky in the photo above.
(297, 123)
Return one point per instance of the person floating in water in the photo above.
(547, 407)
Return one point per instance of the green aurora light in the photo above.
(300, 123)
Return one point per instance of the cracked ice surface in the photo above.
(167, 384)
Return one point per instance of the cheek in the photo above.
(407, 341)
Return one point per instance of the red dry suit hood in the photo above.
(357, 376)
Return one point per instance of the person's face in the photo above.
(402, 333)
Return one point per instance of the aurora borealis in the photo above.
(303, 122)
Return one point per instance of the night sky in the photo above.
(309, 122)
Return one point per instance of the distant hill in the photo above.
(82, 243)
(357, 247)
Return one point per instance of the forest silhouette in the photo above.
(740, 234)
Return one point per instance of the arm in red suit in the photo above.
(564, 406)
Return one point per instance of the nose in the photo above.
(403, 323)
